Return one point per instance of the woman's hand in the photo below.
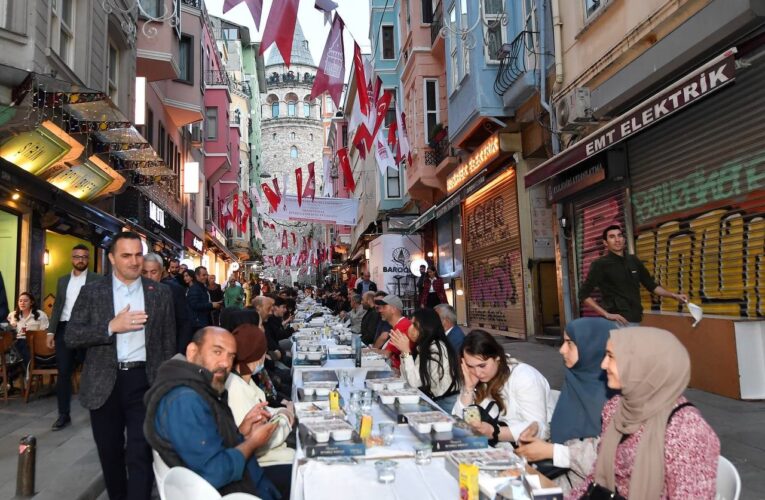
(469, 380)
(400, 340)
(529, 434)
(536, 450)
(483, 428)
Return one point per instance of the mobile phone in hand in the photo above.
(471, 415)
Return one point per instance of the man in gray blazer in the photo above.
(67, 290)
(127, 325)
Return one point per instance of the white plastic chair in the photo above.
(160, 473)
(240, 496)
(728, 480)
(184, 484)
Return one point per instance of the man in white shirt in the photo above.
(67, 291)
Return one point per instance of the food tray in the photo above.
(398, 411)
(403, 396)
(380, 384)
(376, 374)
(319, 376)
(460, 437)
(332, 448)
(424, 422)
(318, 388)
(338, 430)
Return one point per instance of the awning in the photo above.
(714, 75)
(449, 203)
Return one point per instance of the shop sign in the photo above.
(156, 214)
(573, 181)
(216, 234)
(341, 211)
(36, 150)
(87, 181)
(711, 77)
(192, 241)
(486, 153)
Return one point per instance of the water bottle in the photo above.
(356, 342)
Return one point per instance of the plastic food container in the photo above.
(314, 356)
(387, 399)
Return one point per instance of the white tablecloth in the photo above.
(318, 481)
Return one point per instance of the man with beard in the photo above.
(67, 291)
(174, 271)
(127, 325)
(188, 421)
(370, 320)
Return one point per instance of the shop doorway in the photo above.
(546, 314)
(9, 254)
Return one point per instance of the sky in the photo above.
(355, 14)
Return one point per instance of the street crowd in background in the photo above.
(199, 372)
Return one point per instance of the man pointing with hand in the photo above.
(127, 325)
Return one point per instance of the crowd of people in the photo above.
(165, 345)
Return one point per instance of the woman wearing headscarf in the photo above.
(654, 443)
(576, 422)
(244, 394)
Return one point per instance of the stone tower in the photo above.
(292, 136)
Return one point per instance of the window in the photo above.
(306, 109)
(427, 11)
(291, 108)
(161, 140)
(390, 116)
(211, 123)
(431, 106)
(592, 6)
(13, 16)
(453, 48)
(275, 109)
(531, 24)
(345, 136)
(149, 126)
(465, 66)
(393, 183)
(273, 135)
(186, 63)
(388, 45)
(292, 136)
(152, 7)
(62, 34)
(293, 152)
(310, 137)
(494, 32)
(114, 72)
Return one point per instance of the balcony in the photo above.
(197, 4)
(516, 76)
(289, 79)
(436, 25)
(157, 56)
(217, 78)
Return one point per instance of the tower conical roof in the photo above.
(300, 52)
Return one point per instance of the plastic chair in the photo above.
(42, 360)
(240, 496)
(184, 484)
(160, 473)
(6, 342)
(728, 480)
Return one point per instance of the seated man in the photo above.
(189, 423)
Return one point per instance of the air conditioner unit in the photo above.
(573, 111)
(208, 213)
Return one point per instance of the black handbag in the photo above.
(546, 468)
(598, 492)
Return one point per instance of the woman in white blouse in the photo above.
(434, 371)
(510, 395)
(26, 317)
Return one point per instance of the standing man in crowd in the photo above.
(67, 291)
(454, 333)
(174, 271)
(127, 325)
(366, 284)
(199, 301)
(216, 295)
(421, 280)
(618, 276)
(234, 295)
(152, 269)
(370, 320)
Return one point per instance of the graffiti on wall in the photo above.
(716, 258)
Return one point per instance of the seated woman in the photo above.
(434, 371)
(26, 317)
(510, 395)
(243, 394)
(575, 424)
(654, 443)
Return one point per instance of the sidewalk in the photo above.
(739, 424)
(67, 462)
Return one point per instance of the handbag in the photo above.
(598, 492)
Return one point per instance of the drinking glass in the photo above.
(423, 454)
(386, 471)
(387, 430)
(366, 400)
(354, 402)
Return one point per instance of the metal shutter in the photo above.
(699, 200)
(593, 215)
(493, 262)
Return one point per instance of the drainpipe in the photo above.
(568, 314)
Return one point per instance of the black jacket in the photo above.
(183, 316)
(198, 299)
(369, 326)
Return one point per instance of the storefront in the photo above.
(162, 231)
(690, 193)
(194, 248)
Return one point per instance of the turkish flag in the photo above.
(255, 6)
(310, 184)
(279, 260)
(273, 198)
(285, 244)
(276, 188)
(382, 106)
(294, 239)
(392, 135)
(331, 73)
(280, 28)
(247, 212)
(361, 80)
(299, 182)
(345, 163)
